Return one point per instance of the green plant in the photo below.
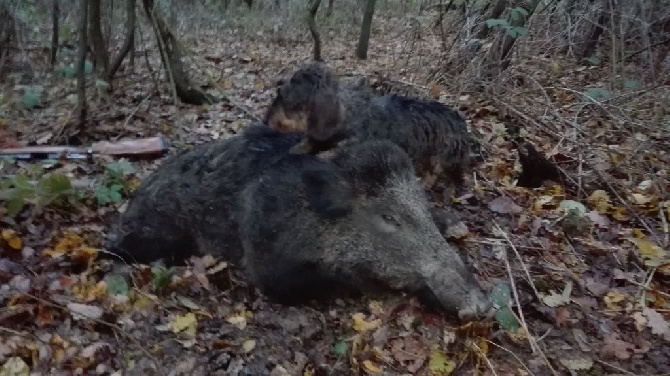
(115, 183)
(515, 16)
(500, 297)
(35, 188)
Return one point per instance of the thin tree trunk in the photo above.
(100, 54)
(311, 21)
(81, 62)
(329, 10)
(593, 35)
(128, 43)
(508, 41)
(54, 34)
(364, 40)
(171, 54)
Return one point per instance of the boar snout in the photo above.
(453, 288)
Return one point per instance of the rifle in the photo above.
(142, 147)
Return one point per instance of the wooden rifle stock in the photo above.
(143, 147)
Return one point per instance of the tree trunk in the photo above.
(128, 43)
(81, 62)
(364, 40)
(54, 33)
(496, 12)
(311, 21)
(592, 36)
(508, 41)
(100, 54)
(171, 54)
(329, 10)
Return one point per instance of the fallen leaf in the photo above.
(239, 321)
(361, 325)
(185, 324)
(83, 311)
(599, 200)
(439, 364)
(613, 346)
(248, 345)
(504, 205)
(613, 298)
(577, 363)
(12, 239)
(15, 366)
(653, 255)
(657, 323)
(371, 367)
(555, 300)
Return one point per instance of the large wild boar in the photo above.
(301, 226)
(434, 135)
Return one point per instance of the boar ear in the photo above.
(329, 194)
(325, 115)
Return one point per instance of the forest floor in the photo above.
(591, 290)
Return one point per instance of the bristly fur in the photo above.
(434, 135)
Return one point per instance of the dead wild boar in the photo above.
(434, 135)
(300, 226)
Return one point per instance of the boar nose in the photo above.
(479, 308)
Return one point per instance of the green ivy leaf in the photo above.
(631, 84)
(493, 22)
(55, 183)
(340, 349)
(162, 276)
(506, 319)
(15, 205)
(500, 295)
(596, 93)
(592, 60)
(88, 67)
(116, 284)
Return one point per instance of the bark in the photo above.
(311, 21)
(128, 43)
(171, 54)
(364, 40)
(81, 62)
(100, 54)
(593, 35)
(54, 33)
(508, 41)
(329, 10)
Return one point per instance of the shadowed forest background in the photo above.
(568, 204)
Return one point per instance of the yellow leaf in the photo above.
(248, 345)
(371, 367)
(638, 233)
(12, 239)
(620, 213)
(613, 298)
(439, 364)
(555, 68)
(542, 201)
(185, 324)
(361, 325)
(599, 200)
(15, 366)
(653, 254)
(376, 308)
(640, 199)
(239, 321)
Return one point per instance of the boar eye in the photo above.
(391, 219)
